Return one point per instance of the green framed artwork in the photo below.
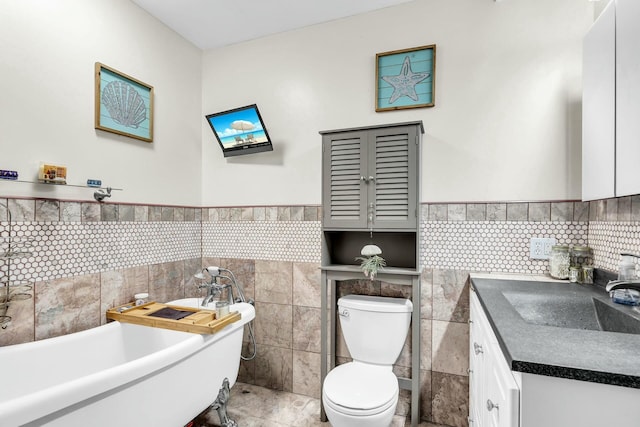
(406, 78)
(124, 105)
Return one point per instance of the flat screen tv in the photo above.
(240, 131)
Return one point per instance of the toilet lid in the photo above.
(361, 387)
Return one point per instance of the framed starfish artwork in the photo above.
(406, 78)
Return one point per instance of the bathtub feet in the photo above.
(220, 405)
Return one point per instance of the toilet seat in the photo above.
(359, 389)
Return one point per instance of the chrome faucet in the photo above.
(623, 284)
(627, 276)
(214, 289)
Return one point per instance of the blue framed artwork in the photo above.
(124, 105)
(406, 78)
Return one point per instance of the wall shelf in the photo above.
(59, 185)
(100, 193)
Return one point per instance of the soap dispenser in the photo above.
(627, 267)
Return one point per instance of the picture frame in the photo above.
(406, 78)
(123, 104)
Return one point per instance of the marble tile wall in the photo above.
(275, 254)
(84, 257)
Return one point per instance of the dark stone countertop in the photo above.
(565, 352)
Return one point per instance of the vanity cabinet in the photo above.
(499, 396)
(494, 394)
(610, 105)
(370, 177)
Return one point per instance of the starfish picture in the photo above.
(404, 84)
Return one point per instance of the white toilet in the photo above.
(364, 393)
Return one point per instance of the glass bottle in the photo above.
(559, 262)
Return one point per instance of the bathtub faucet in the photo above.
(215, 289)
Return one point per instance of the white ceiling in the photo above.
(210, 24)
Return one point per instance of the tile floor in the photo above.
(253, 406)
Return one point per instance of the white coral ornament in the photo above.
(370, 250)
(371, 262)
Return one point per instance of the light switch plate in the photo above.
(540, 247)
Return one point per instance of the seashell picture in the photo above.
(124, 105)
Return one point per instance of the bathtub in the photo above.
(119, 374)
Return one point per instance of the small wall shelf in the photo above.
(99, 194)
(58, 185)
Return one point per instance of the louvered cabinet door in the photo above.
(392, 187)
(344, 191)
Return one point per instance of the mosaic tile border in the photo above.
(61, 249)
(492, 246)
(297, 241)
(276, 233)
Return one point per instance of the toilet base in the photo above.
(339, 419)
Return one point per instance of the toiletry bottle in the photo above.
(141, 298)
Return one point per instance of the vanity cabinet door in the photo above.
(502, 395)
(627, 97)
(477, 366)
(493, 393)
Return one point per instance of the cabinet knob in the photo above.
(491, 405)
(477, 348)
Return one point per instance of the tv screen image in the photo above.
(240, 131)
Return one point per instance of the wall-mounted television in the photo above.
(240, 131)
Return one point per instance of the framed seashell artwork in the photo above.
(124, 105)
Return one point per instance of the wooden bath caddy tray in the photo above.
(189, 319)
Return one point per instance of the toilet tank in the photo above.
(374, 328)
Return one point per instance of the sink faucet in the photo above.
(627, 275)
(623, 284)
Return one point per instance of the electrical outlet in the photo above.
(541, 247)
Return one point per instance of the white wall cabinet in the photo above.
(627, 97)
(599, 108)
(494, 393)
(611, 103)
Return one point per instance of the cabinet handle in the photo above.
(477, 348)
(491, 405)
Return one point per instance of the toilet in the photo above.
(364, 393)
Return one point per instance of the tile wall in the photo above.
(87, 257)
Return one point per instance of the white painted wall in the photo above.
(48, 50)
(506, 125)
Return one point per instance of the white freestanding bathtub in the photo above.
(119, 374)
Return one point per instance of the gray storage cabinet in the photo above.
(371, 194)
(370, 177)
